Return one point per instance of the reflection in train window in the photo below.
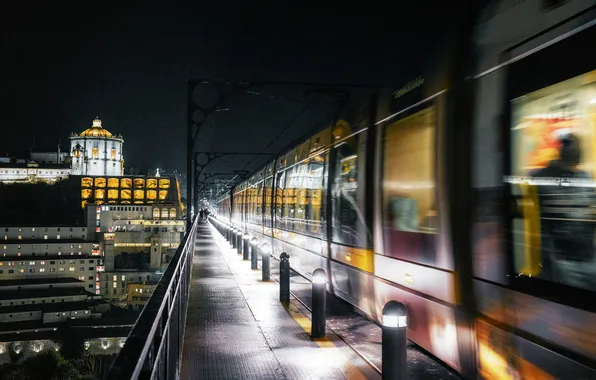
(554, 165)
(303, 209)
(280, 181)
(268, 197)
(258, 208)
(409, 193)
(348, 223)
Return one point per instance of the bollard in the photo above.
(284, 277)
(265, 263)
(394, 342)
(254, 255)
(319, 295)
(239, 242)
(233, 238)
(228, 231)
(245, 246)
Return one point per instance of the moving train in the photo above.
(465, 193)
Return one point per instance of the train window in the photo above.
(280, 181)
(268, 196)
(303, 192)
(258, 218)
(409, 192)
(553, 166)
(348, 223)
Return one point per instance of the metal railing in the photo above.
(153, 349)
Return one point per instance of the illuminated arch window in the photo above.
(164, 183)
(151, 183)
(100, 182)
(172, 213)
(85, 193)
(95, 152)
(99, 194)
(139, 194)
(113, 182)
(125, 194)
(164, 213)
(113, 194)
(139, 182)
(113, 153)
(156, 213)
(126, 183)
(87, 182)
(151, 195)
(163, 194)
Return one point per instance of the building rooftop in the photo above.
(33, 165)
(96, 130)
(42, 293)
(40, 281)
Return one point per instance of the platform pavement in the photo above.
(237, 328)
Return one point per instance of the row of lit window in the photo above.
(124, 194)
(42, 270)
(46, 246)
(45, 237)
(45, 230)
(42, 262)
(125, 183)
(124, 208)
(46, 254)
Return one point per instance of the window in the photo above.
(95, 152)
(347, 196)
(553, 134)
(155, 213)
(409, 191)
(304, 196)
(164, 213)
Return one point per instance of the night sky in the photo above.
(62, 67)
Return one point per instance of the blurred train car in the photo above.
(449, 195)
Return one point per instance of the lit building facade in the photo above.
(34, 253)
(128, 190)
(154, 230)
(97, 152)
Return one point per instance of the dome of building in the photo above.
(96, 130)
